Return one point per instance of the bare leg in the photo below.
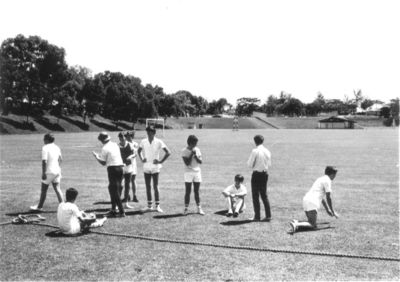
(57, 189)
(43, 194)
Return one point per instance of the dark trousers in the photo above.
(259, 188)
(115, 174)
(147, 180)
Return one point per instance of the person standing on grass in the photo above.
(71, 220)
(260, 161)
(51, 170)
(234, 195)
(129, 138)
(321, 189)
(110, 156)
(192, 159)
(127, 154)
(149, 153)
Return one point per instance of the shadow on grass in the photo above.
(29, 212)
(168, 216)
(102, 203)
(223, 212)
(77, 123)
(58, 233)
(98, 210)
(19, 125)
(45, 122)
(106, 126)
(236, 222)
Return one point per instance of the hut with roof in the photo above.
(336, 122)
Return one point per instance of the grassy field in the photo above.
(365, 194)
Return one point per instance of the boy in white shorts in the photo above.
(149, 153)
(321, 189)
(51, 170)
(128, 155)
(234, 195)
(73, 221)
(135, 146)
(191, 156)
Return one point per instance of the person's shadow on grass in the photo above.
(28, 212)
(236, 222)
(164, 216)
(59, 234)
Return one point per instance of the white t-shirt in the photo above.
(312, 200)
(194, 164)
(111, 154)
(151, 151)
(67, 217)
(233, 190)
(51, 153)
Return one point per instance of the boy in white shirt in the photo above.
(149, 153)
(234, 195)
(191, 156)
(73, 221)
(321, 189)
(51, 170)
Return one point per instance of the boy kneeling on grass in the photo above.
(321, 188)
(73, 221)
(234, 195)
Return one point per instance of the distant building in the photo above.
(336, 122)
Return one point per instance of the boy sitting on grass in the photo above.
(234, 195)
(73, 221)
(321, 189)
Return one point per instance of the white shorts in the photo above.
(130, 169)
(192, 176)
(151, 168)
(52, 178)
(309, 205)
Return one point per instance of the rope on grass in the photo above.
(236, 247)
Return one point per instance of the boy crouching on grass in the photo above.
(321, 188)
(234, 195)
(73, 221)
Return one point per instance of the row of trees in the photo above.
(35, 78)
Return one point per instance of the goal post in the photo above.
(155, 121)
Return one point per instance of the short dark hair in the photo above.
(151, 128)
(192, 139)
(239, 177)
(121, 134)
(258, 139)
(49, 137)
(130, 133)
(71, 194)
(330, 170)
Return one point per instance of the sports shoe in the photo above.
(185, 211)
(127, 206)
(200, 211)
(235, 214)
(293, 226)
(229, 213)
(254, 219)
(121, 214)
(35, 208)
(135, 199)
(159, 209)
(111, 213)
(266, 219)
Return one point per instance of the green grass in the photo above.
(365, 194)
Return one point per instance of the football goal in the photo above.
(155, 122)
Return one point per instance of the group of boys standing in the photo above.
(120, 160)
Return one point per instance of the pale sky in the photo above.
(226, 48)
